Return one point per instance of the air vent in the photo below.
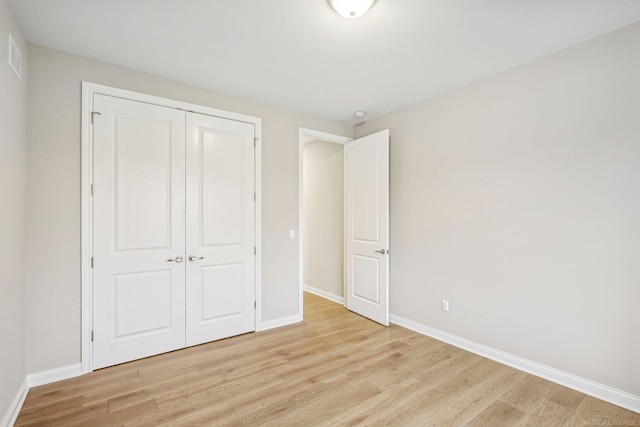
(15, 57)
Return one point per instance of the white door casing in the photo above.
(367, 227)
(220, 228)
(138, 224)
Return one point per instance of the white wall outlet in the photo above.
(444, 305)
(292, 234)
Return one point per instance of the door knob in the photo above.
(195, 258)
(177, 259)
(382, 251)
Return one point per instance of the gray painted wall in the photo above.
(53, 238)
(13, 143)
(323, 194)
(517, 198)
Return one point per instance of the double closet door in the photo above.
(174, 229)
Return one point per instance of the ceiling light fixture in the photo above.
(359, 115)
(351, 8)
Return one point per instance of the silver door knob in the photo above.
(177, 259)
(382, 251)
(195, 258)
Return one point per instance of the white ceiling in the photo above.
(301, 54)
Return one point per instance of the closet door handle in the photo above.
(177, 259)
(195, 258)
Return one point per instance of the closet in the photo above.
(173, 244)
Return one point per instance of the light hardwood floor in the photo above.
(336, 368)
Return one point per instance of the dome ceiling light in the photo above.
(351, 8)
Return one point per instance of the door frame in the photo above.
(88, 91)
(305, 136)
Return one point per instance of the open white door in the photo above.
(367, 227)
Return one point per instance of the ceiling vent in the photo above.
(15, 57)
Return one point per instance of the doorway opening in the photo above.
(321, 228)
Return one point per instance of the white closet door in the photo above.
(368, 227)
(220, 228)
(139, 199)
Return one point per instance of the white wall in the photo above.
(13, 142)
(518, 199)
(53, 238)
(323, 204)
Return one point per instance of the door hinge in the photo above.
(91, 262)
(255, 141)
(93, 115)
(255, 304)
(91, 336)
(92, 189)
(255, 197)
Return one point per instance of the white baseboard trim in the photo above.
(277, 323)
(34, 380)
(324, 294)
(57, 374)
(583, 385)
(16, 404)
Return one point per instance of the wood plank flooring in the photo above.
(334, 369)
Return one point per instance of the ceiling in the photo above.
(302, 55)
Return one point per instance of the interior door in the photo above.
(368, 227)
(220, 228)
(139, 233)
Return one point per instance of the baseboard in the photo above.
(324, 294)
(58, 374)
(583, 385)
(34, 380)
(16, 404)
(277, 323)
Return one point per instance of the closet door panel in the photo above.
(220, 228)
(139, 197)
(173, 229)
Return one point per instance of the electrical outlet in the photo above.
(292, 234)
(444, 305)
